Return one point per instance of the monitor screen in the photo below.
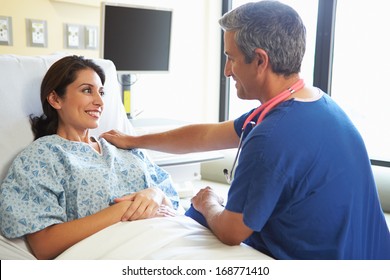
(137, 39)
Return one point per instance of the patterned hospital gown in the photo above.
(55, 180)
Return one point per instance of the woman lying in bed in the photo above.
(66, 185)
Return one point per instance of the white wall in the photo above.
(189, 92)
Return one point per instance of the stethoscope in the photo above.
(261, 111)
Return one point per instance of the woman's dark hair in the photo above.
(62, 73)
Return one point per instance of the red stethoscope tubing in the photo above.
(262, 111)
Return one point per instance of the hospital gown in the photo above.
(55, 180)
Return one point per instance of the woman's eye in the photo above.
(102, 93)
(87, 90)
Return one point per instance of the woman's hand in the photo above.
(147, 203)
(165, 211)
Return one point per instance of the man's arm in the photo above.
(227, 226)
(186, 139)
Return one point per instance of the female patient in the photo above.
(66, 185)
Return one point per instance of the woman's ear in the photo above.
(54, 100)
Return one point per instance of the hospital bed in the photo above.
(177, 237)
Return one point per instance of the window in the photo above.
(308, 12)
(351, 66)
(360, 71)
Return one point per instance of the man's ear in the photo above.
(261, 58)
(54, 100)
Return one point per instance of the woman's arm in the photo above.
(53, 240)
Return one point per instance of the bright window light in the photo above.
(360, 71)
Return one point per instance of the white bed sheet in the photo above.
(170, 238)
(15, 249)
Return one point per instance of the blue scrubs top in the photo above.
(305, 187)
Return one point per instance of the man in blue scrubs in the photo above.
(303, 186)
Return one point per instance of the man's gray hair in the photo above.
(272, 26)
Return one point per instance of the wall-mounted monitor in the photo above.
(137, 39)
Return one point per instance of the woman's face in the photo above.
(82, 105)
